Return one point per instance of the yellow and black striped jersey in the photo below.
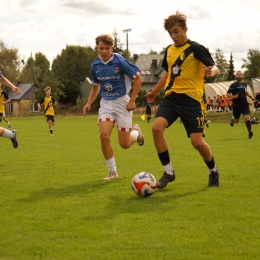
(189, 77)
(3, 97)
(48, 105)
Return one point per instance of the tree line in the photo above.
(71, 67)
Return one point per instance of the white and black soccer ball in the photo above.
(208, 122)
(254, 121)
(144, 184)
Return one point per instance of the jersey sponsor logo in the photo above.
(116, 69)
(108, 77)
(175, 70)
(108, 87)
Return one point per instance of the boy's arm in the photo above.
(160, 84)
(92, 96)
(7, 101)
(135, 89)
(6, 82)
(40, 104)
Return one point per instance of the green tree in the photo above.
(49, 79)
(118, 46)
(231, 69)
(10, 62)
(43, 63)
(71, 67)
(153, 52)
(252, 64)
(30, 72)
(163, 50)
(222, 64)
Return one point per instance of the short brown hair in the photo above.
(106, 39)
(47, 88)
(178, 18)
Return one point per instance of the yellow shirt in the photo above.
(48, 105)
(190, 80)
(3, 97)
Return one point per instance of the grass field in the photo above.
(54, 204)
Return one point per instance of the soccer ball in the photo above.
(208, 121)
(144, 184)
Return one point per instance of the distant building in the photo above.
(23, 103)
(151, 69)
(84, 88)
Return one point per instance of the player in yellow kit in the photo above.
(48, 102)
(185, 63)
(4, 132)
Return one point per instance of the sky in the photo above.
(48, 26)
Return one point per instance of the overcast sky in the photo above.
(47, 26)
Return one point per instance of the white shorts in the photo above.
(115, 111)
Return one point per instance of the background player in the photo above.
(148, 111)
(238, 92)
(4, 132)
(4, 99)
(48, 103)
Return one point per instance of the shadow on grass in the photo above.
(146, 204)
(71, 190)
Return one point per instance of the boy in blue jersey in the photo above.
(238, 92)
(112, 77)
(4, 132)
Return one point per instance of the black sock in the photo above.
(211, 163)
(51, 131)
(164, 157)
(248, 125)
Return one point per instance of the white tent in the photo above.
(256, 84)
(221, 88)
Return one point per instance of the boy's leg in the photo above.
(105, 130)
(161, 146)
(203, 148)
(9, 134)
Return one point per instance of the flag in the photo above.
(143, 117)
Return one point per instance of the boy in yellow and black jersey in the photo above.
(4, 99)
(186, 63)
(12, 135)
(48, 103)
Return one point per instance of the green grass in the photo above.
(54, 204)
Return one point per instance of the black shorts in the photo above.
(188, 109)
(48, 118)
(239, 109)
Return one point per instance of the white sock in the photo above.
(135, 133)
(168, 169)
(111, 164)
(214, 169)
(8, 134)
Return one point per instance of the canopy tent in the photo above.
(256, 84)
(220, 88)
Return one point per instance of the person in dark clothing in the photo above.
(257, 100)
(148, 111)
(238, 92)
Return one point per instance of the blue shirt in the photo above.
(114, 76)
